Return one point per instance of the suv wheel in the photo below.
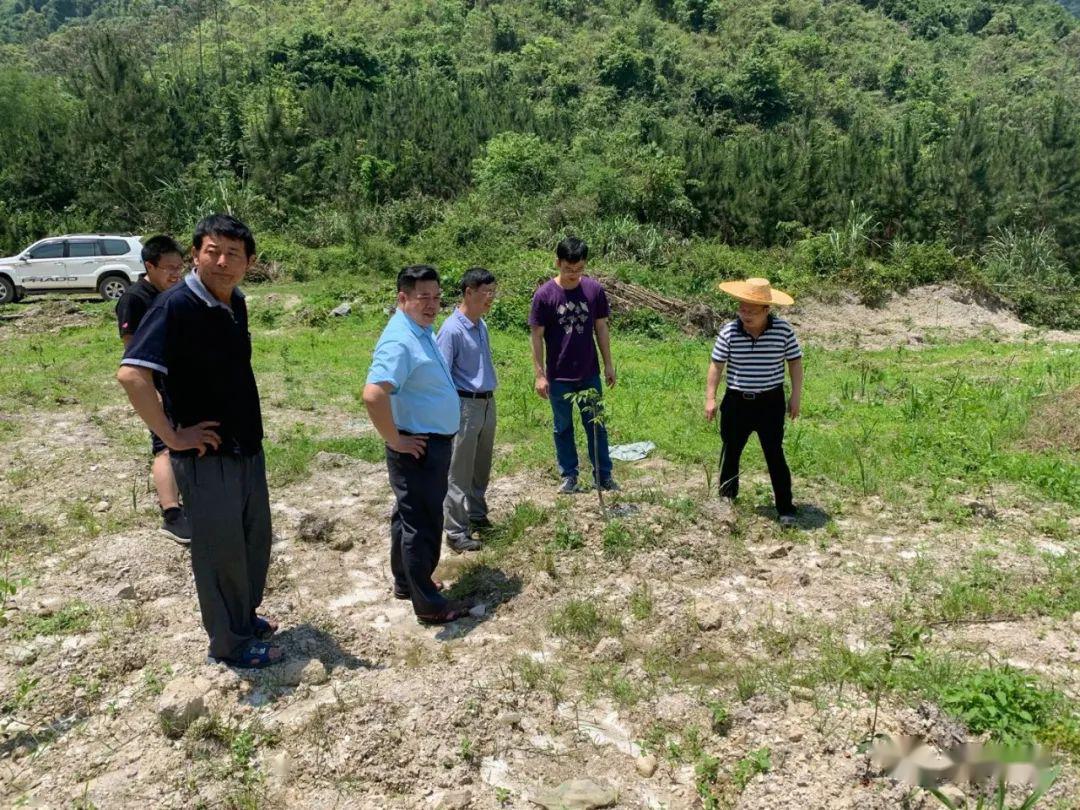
(112, 287)
(7, 291)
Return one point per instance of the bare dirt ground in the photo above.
(484, 713)
(927, 314)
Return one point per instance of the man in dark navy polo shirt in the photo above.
(196, 336)
(164, 263)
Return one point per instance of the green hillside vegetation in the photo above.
(864, 145)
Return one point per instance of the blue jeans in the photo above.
(565, 449)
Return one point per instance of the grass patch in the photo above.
(566, 538)
(1051, 587)
(288, 459)
(582, 620)
(619, 540)
(641, 602)
(73, 618)
(1013, 706)
(523, 517)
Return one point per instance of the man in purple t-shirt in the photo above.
(566, 312)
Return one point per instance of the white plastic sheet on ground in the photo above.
(632, 452)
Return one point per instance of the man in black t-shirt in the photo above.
(164, 263)
(196, 337)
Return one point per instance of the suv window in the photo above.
(77, 249)
(115, 247)
(48, 250)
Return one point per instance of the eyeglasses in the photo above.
(424, 299)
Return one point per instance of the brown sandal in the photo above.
(451, 613)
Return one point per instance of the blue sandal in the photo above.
(256, 655)
(264, 628)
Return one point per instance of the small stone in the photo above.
(46, 607)
(126, 592)
(451, 800)
(182, 701)
(780, 551)
(710, 616)
(804, 579)
(577, 794)
(508, 719)
(14, 727)
(341, 310)
(101, 506)
(341, 544)
(21, 655)
(478, 611)
(314, 673)
(279, 767)
(646, 765)
(608, 649)
(313, 528)
(795, 735)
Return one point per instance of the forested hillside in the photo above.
(884, 143)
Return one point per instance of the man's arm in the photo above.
(537, 337)
(603, 340)
(712, 382)
(138, 382)
(377, 402)
(795, 402)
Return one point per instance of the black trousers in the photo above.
(416, 524)
(764, 414)
(228, 505)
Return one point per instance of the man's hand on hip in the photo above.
(410, 445)
(197, 437)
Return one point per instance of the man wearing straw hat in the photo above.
(754, 347)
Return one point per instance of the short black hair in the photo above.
(157, 246)
(476, 277)
(407, 278)
(573, 250)
(224, 225)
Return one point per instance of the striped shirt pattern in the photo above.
(756, 365)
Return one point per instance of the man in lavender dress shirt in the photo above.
(464, 342)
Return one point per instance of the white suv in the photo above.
(76, 263)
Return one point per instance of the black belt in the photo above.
(755, 394)
(446, 437)
(475, 394)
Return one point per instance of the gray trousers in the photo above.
(470, 467)
(228, 504)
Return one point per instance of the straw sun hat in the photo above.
(756, 291)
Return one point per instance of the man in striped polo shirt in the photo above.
(754, 347)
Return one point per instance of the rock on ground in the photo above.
(577, 794)
(181, 703)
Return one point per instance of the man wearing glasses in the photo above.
(413, 404)
(466, 347)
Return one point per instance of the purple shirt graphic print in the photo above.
(568, 318)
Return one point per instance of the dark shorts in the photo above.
(157, 446)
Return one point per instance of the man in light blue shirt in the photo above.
(413, 404)
(466, 347)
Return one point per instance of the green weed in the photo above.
(581, 619)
